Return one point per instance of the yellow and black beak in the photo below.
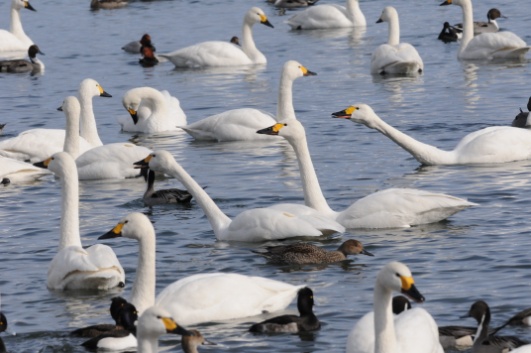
(143, 163)
(113, 233)
(44, 164)
(28, 6)
(133, 114)
(447, 2)
(409, 289)
(265, 21)
(344, 114)
(173, 327)
(306, 72)
(272, 130)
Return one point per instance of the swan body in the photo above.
(241, 124)
(491, 145)
(190, 299)
(151, 111)
(497, 46)
(74, 267)
(390, 208)
(15, 39)
(379, 331)
(20, 172)
(395, 57)
(219, 53)
(258, 224)
(33, 65)
(329, 16)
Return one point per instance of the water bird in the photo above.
(163, 196)
(193, 339)
(33, 65)
(486, 27)
(15, 39)
(107, 4)
(3, 327)
(328, 16)
(117, 304)
(292, 4)
(521, 120)
(449, 33)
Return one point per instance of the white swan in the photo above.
(413, 331)
(15, 39)
(190, 299)
(383, 209)
(395, 57)
(488, 46)
(38, 144)
(495, 144)
(153, 323)
(241, 124)
(219, 53)
(253, 225)
(328, 16)
(74, 267)
(151, 111)
(19, 172)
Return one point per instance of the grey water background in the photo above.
(480, 253)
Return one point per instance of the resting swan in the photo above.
(74, 267)
(383, 209)
(253, 225)
(15, 39)
(151, 111)
(19, 172)
(329, 16)
(488, 46)
(395, 57)
(38, 144)
(220, 53)
(412, 331)
(495, 144)
(190, 298)
(241, 124)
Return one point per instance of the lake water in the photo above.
(480, 253)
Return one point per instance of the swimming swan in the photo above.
(253, 225)
(75, 267)
(190, 298)
(15, 39)
(241, 124)
(495, 144)
(412, 331)
(395, 57)
(19, 172)
(383, 209)
(219, 53)
(328, 16)
(488, 46)
(151, 111)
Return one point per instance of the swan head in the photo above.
(257, 15)
(135, 225)
(289, 129)
(60, 164)
(158, 161)
(388, 13)
(293, 69)
(155, 321)
(396, 276)
(353, 247)
(359, 113)
(21, 4)
(92, 88)
(70, 106)
(139, 101)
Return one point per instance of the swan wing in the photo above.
(400, 59)
(11, 43)
(212, 53)
(223, 296)
(397, 207)
(321, 17)
(94, 268)
(416, 331)
(18, 171)
(361, 336)
(492, 46)
(312, 216)
(232, 125)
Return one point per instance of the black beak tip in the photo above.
(105, 94)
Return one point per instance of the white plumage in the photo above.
(15, 40)
(329, 16)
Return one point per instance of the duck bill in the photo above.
(414, 294)
(341, 115)
(365, 252)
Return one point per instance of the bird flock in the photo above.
(76, 154)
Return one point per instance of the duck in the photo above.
(491, 145)
(189, 298)
(411, 331)
(19, 172)
(292, 4)
(449, 33)
(498, 46)
(522, 318)
(306, 253)
(135, 46)
(219, 53)
(328, 16)
(76, 267)
(235, 40)
(15, 39)
(35, 145)
(192, 339)
(305, 322)
(252, 225)
(395, 58)
(151, 111)
(2, 126)
(521, 119)
(154, 322)
(486, 27)
(107, 4)
(389, 208)
(122, 337)
(117, 304)
(148, 58)
(241, 124)
(33, 65)
(485, 342)
(3, 327)
(162, 197)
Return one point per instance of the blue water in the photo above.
(480, 253)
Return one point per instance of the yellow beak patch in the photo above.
(407, 282)
(118, 228)
(169, 323)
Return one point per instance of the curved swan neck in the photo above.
(71, 144)
(384, 326)
(88, 128)
(468, 25)
(143, 294)
(155, 102)
(355, 14)
(313, 195)
(248, 46)
(70, 209)
(285, 109)
(394, 30)
(218, 220)
(16, 24)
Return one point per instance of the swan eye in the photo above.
(126, 222)
(397, 274)
(286, 124)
